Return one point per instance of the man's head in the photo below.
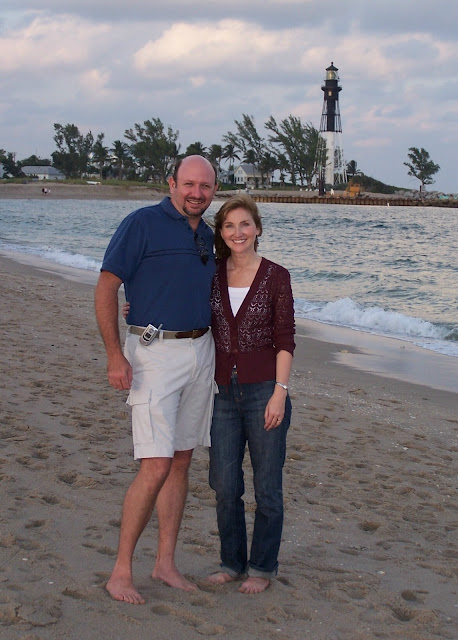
(192, 186)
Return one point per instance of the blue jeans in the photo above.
(238, 419)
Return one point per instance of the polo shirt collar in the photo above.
(170, 210)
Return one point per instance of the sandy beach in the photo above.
(101, 191)
(65, 191)
(369, 542)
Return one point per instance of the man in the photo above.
(163, 255)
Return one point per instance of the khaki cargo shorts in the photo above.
(172, 394)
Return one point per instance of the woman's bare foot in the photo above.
(122, 589)
(220, 577)
(173, 578)
(255, 585)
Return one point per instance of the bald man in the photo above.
(163, 254)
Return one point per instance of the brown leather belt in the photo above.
(167, 335)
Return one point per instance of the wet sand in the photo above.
(369, 543)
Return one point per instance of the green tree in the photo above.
(196, 149)
(297, 143)
(11, 168)
(35, 161)
(421, 166)
(283, 166)
(73, 150)
(247, 141)
(100, 154)
(352, 169)
(250, 157)
(153, 148)
(308, 167)
(121, 156)
(269, 163)
(215, 154)
(230, 153)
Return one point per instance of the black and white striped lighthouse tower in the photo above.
(331, 164)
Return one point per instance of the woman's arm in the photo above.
(275, 409)
(283, 330)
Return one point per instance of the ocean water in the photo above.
(390, 271)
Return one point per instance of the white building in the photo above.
(247, 175)
(43, 173)
(225, 176)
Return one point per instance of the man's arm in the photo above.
(106, 311)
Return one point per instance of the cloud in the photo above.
(228, 47)
(47, 44)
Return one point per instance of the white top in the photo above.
(236, 297)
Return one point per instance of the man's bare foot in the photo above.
(173, 578)
(255, 585)
(122, 589)
(220, 577)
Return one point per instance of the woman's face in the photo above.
(239, 231)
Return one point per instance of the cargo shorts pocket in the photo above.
(142, 428)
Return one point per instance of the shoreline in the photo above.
(361, 350)
(369, 534)
(100, 191)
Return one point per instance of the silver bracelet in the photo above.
(283, 386)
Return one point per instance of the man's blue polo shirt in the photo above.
(155, 254)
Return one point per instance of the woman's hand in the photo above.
(275, 409)
(125, 309)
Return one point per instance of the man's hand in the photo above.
(106, 309)
(119, 372)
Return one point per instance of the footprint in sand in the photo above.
(186, 617)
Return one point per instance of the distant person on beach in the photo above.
(164, 256)
(253, 329)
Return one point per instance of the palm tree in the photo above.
(284, 166)
(269, 164)
(230, 153)
(215, 153)
(352, 169)
(100, 153)
(121, 154)
(196, 149)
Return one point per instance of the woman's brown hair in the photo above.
(236, 202)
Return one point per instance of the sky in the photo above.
(200, 65)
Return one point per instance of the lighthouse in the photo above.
(330, 161)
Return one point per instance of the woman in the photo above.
(253, 329)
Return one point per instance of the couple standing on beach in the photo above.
(164, 256)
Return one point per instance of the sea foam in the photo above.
(348, 313)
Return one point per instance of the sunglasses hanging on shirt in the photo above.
(201, 248)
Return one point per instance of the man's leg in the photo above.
(170, 506)
(137, 509)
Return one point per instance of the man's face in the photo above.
(195, 187)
